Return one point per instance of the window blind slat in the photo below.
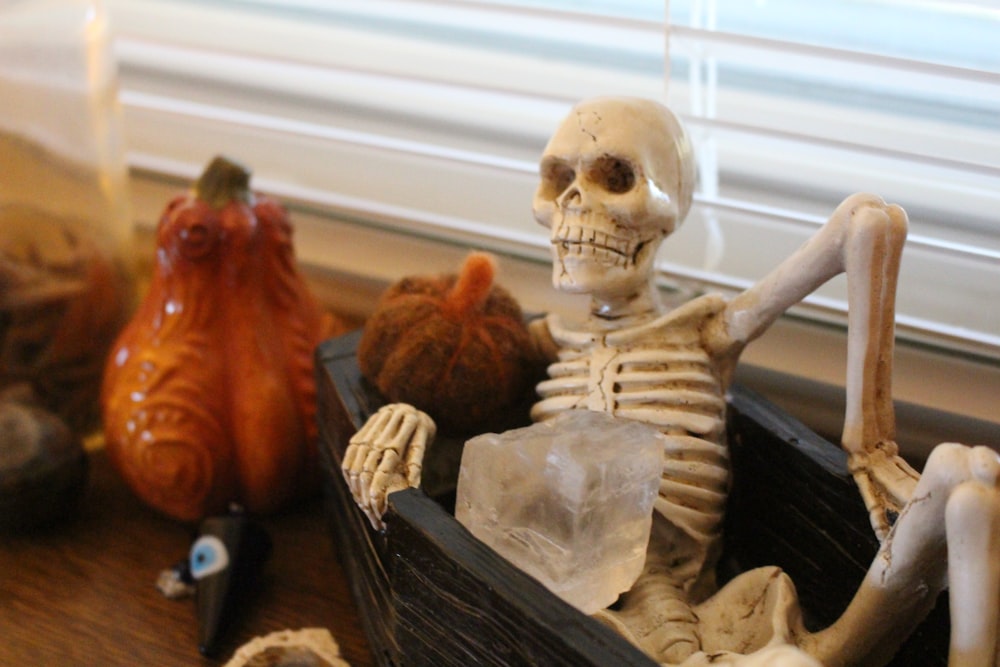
(912, 156)
(791, 113)
(706, 42)
(812, 222)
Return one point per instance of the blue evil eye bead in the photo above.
(209, 556)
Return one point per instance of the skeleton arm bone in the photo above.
(864, 238)
(886, 481)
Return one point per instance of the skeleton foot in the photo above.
(753, 621)
(886, 483)
(386, 455)
(670, 636)
(656, 617)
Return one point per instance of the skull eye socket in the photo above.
(556, 178)
(613, 174)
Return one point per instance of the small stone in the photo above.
(568, 500)
(176, 583)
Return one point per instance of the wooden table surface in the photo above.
(84, 593)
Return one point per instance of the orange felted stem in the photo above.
(475, 280)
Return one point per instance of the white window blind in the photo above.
(387, 123)
(794, 105)
(428, 116)
(421, 116)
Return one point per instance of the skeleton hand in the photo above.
(386, 455)
(885, 481)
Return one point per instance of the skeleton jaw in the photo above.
(588, 259)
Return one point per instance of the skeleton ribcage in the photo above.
(658, 374)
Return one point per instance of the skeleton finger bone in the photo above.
(402, 428)
(386, 479)
(386, 455)
(413, 462)
(357, 453)
(351, 455)
(367, 472)
(353, 463)
(375, 424)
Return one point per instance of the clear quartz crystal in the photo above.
(568, 500)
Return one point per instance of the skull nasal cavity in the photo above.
(613, 174)
(570, 196)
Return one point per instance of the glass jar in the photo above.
(65, 229)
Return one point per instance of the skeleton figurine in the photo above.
(616, 179)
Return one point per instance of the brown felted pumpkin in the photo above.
(455, 346)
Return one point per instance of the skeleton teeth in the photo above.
(579, 240)
(596, 253)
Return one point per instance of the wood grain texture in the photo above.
(84, 592)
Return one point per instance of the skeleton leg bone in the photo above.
(972, 519)
(913, 565)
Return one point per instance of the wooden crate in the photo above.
(432, 594)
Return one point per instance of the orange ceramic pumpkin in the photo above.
(208, 395)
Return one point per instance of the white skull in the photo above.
(616, 179)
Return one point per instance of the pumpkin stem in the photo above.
(223, 181)
(475, 280)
